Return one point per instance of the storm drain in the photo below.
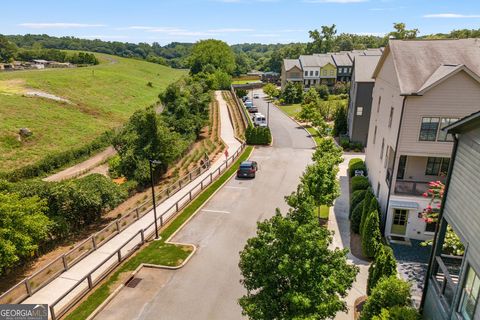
(132, 283)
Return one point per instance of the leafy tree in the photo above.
(292, 93)
(271, 90)
(323, 91)
(401, 32)
(322, 42)
(23, 225)
(384, 265)
(290, 272)
(302, 205)
(340, 125)
(398, 313)
(320, 179)
(7, 50)
(371, 236)
(214, 54)
(389, 292)
(327, 148)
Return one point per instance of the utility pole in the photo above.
(151, 162)
(268, 114)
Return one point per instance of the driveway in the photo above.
(208, 286)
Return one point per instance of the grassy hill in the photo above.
(100, 98)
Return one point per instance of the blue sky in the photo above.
(234, 21)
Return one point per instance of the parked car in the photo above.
(252, 109)
(244, 98)
(259, 120)
(247, 169)
(256, 96)
(248, 103)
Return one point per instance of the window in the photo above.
(316, 73)
(311, 73)
(378, 189)
(306, 73)
(375, 135)
(359, 111)
(428, 129)
(469, 296)
(383, 147)
(437, 166)
(332, 72)
(378, 105)
(391, 118)
(324, 72)
(430, 226)
(442, 135)
(402, 164)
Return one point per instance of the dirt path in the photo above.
(83, 167)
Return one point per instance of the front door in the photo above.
(399, 223)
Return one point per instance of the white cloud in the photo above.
(230, 30)
(58, 25)
(451, 15)
(335, 1)
(104, 37)
(265, 35)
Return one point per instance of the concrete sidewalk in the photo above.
(340, 224)
(68, 279)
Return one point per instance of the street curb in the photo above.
(148, 265)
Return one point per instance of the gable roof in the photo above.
(418, 60)
(316, 60)
(363, 68)
(444, 72)
(291, 63)
(342, 59)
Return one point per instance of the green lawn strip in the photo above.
(314, 133)
(291, 110)
(157, 252)
(324, 212)
(245, 81)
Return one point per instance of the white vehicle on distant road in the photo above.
(259, 120)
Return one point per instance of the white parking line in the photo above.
(216, 211)
(233, 187)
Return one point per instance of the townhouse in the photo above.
(360, 102)
(452, 285)
(421, 86)
(318, 69)
(291, 71)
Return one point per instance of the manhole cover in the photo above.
(133, 282)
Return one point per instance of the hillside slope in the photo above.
(100, 98)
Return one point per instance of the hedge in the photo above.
(258, 135)
(356, 217)
(355, 199)
(366, 206)
(384, 265)
(390, 292)
(356, 164)
(398, 313)
(371, 236)
(360, 183)
(55, 161)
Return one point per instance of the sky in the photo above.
(234, 21)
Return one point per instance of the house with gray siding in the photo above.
(360, 101)
(344, 66)
(421, 86)
(452, 285)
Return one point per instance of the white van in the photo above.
(259, 120)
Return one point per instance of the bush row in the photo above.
(258, 135)
(55, 161)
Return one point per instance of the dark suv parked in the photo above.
(247, 169)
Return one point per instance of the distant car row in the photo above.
(259, 120)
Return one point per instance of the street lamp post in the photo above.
(152, 162)
(268, 114)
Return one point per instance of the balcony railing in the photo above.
(414, 188)
(445, 278)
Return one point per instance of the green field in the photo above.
(102, 97)
(291, 109)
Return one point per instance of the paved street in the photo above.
(208, 286)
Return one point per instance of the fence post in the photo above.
(176, 207)
(190, 195)
(118, 226)
(190, 175)
(161, 220)
(211, 177)
(119, 255)
(138, 214)
(94, 243)
(65, 263)
(29, 288)
(180, 184)
(168, 192)
(201, 185)
(89, 279)
(142, 235)
(52, 313)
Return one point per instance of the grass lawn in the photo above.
(291, 109)
(245, 81)
(102, 97)
(324, 212)
(157, 252)
(314, 133)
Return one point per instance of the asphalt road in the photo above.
(208, 286)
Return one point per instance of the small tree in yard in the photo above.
(291, 93)
(371, 237)
(327, 148)
(340, 121)
(388, 293)
(398, 313)
(271, 90)
(323, 91)
(290, 272)
(385, 265)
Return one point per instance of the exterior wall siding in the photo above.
(433, 309)
(360, 124)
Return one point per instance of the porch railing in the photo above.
(409, 187)
(446, 275)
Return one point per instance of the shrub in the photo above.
(371, 237)
(385, 265)
(356, 217)
(366, 206)
(389, 292)
(356, 164)
(360, 183)
(345, 143)
(355, 199)
(340, 120)
(114, 167)
(258, 135)
(398, 313)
